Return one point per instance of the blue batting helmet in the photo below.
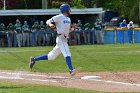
(65, 8)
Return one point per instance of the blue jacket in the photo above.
(123, 24)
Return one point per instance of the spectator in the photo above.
(35, 28)
(79, 28)
(49, 35)
(130, 27)
(41, 36)
(18, 31)
(99, 34)
(26, 33)
(10, 29)
(87, 34)
(120, 34)
(2, 27)
(2, 35)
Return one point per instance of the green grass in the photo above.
(22, 88)
(18, 88)
(98, 58)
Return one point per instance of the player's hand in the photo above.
(52, 26)
(74, 26)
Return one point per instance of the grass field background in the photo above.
(98, 58)
(18, 88)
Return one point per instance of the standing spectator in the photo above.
(87, 34)
(42, 36)
(35, 28)
(2, 35)
(130, 27)
(26, 34)
(2, 27)
(99, 34)
(18, 31)
(120, 34)
(49, 35)
(10, 29)
(79, 28)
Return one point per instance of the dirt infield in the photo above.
(108, 81)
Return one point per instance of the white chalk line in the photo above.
(57, 77)
(19, 78)
(114, 82)
(20, 51)
(20, 73)
(35, 75)
(132, 51)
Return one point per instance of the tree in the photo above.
(125, 8)
(77, 4)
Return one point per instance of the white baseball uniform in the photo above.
(63, 25)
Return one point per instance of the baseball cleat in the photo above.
(73, 72)
(32, 63)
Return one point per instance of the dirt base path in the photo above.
(101, 81)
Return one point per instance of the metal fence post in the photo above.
(115, 38)
(133, 36)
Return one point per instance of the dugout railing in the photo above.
(111, 36)
(121, 35)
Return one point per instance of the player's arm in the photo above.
(74, 26)
(50, 23)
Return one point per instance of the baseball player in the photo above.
(98, 26)
(42, 37)
(26, 33)
(10, 29)
(63, 25)
(35, 28)
(18, 31)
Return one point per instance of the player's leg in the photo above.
(88, 37)
(85, 37)
(28, 38)
(79, 41)
(21, 38)
(18, 39)
(24, 38)
(66, 53)
(98, 36)
(50, 56)
(36, 38)
(44, 39)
